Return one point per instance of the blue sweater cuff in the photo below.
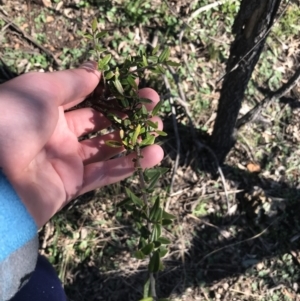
(17, 227)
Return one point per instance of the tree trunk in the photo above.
(251, 28)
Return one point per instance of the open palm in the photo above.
(39, 149)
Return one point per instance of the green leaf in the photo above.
(144, 111)
(148, 249)
(164, 55)
(151, 172)
(109, 75)
(161, 133)
(147, 290)
(118, 86)
(88, 36)
(145, 100)
(99, 49)
(136, 134)
(153, 181)
(152, 124)
(136, 200)
(164, 241)
(163, 251)
(171, 63)
(153, 59)
(154, 51)
(139, 254)
(147, 299)
(154, 262)
(132, 82)
(145, 63)
(154, 210)
(157, 108)
(94, 25)
(166, 222)
(105, 60)
(101, 34)
(158, 230)
(149, 140)
(113, 143)
(167, 215)
(124, 202)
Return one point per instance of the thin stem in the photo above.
(145, 199)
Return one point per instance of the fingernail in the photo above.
(90, 65)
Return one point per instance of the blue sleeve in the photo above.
(18, 241)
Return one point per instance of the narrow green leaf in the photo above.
(158, 230)
(161, 133)
(171, 63)
(154, 235)
(154, 125)
(164, 55)
(99, 49)
(101, 34)
(124, 202)
(153, 59)
(154, 209)
(136, 134)
(147, 299)
(113, 143)
(157, 108)
(167, 215)
(145, 100)
(94, 24)
(105, 60)
(149, 140)
(153, 181)
(148, 249)
(164, 241)
(154, 262)
(132, 82)
(154, 51)
(158, 214)
(118, 86)
(145, 63)
(163, 251)
(166, 222)
(136, 200)
(147, 290)
(144, 111)
(109, 75)
(139, 254)
(88, 36)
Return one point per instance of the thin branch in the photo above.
(29, 38)
(236, 243)
(253, 113)
(205, 8)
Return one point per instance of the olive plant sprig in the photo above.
(120, 93)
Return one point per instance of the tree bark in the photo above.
(251, 27)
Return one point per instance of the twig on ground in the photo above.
(28, 37)
(205, 8)
(236, 243)
(253, 113)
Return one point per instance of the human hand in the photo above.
(39, 149)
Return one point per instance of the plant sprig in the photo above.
(119, 85)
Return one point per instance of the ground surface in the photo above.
(248, 249)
